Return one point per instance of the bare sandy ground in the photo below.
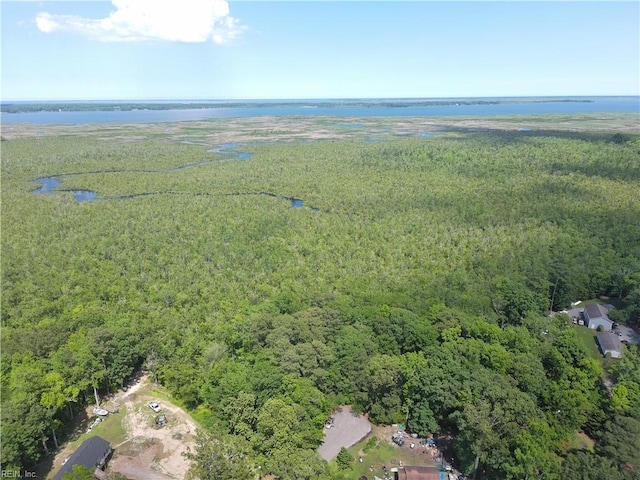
(348, 429)
(152, 453)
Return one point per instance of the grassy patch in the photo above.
(587, 337)
(203, 417)
(383, 454)
(603, 301)
(161, 393)
(111, 429)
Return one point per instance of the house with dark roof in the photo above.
(597, 316)
(610, 344)
(94, 454)
(418, 473)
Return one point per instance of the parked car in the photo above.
(398, 438)
(161, 421)
(154, 406)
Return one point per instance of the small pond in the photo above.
(229, 149)
(84, 195)
(49, 185)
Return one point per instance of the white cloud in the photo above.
(139, 20)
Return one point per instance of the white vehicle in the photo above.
(154, 406)
(94, 424)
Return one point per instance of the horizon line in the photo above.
(310, 99)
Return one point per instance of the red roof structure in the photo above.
(419, 473)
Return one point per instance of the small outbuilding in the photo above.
(94, 454)
(610, 344)
(419, 473)
(597, 316)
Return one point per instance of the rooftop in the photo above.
(92, 451)
(420, 473)
(609, 341)
(595, 311)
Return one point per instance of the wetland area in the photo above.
(234, 134)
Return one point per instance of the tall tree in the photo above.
(218, 459)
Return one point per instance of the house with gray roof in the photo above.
(597, 316)
(93, 454)
(610, 344)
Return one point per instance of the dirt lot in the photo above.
(148, 453)
(421, 455)
(376, 460)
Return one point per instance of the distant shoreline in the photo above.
(70, 106)
(77, 113)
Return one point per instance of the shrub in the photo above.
(371, 443)
(344, 459)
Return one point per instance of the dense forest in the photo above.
(415, 284)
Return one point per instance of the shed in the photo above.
(93, 454)
(610, 344)
(597, 316)
(419, 473)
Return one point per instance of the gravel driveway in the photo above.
(627, 334)
(348, 429)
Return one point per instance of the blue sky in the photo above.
(213, 49)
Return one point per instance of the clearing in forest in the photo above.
(148, 452)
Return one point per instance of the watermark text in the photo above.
(17, 474)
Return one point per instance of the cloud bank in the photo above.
(189, 21)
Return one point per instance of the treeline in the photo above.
(418, 292)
